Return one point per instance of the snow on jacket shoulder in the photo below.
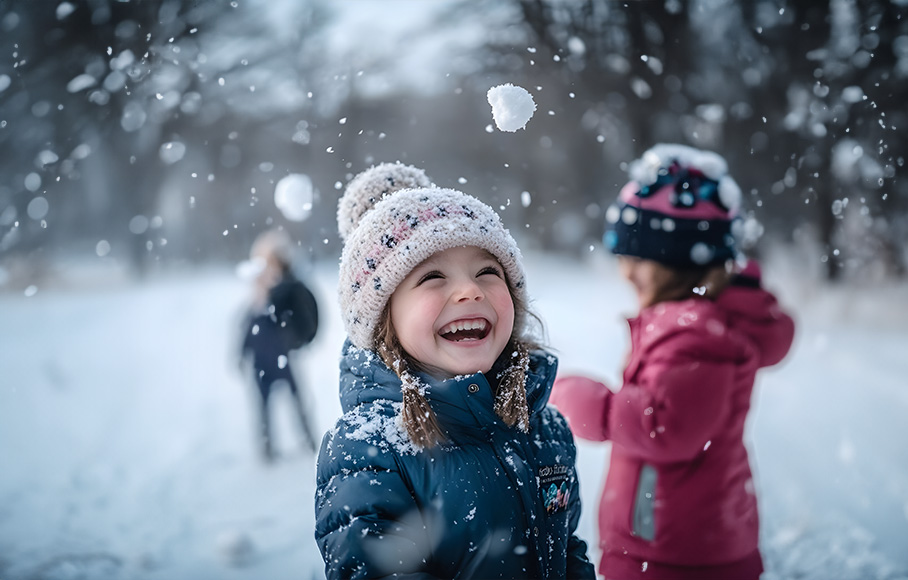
(493, 502)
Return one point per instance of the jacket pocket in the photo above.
(644, 524)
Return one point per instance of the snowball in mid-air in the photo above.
(293, 196)
(512, 107)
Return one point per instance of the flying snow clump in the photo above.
(293, 196)
(512, 107)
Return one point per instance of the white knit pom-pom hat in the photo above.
(371, 186)
(400, 232)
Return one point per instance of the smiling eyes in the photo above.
(438, 275)
(434, 274)
(490, 270)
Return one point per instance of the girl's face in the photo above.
(453, 313)
(648, 277)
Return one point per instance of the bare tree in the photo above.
(775, 86)
(137, 110)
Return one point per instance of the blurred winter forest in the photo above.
(143, 134)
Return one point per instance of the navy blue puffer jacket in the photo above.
(493, 502)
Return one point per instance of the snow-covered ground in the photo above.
(126, 447)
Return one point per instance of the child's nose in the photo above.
(467, 291)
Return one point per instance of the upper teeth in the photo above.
(464, 325)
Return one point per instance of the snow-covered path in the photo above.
(126, 432)
(126, 446)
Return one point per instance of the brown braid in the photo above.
(418, 417)
(511, 399)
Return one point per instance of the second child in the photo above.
(679, 501)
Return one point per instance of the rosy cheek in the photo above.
(421, 315)
(504, 305)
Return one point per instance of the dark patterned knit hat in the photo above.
(680, 209)
(388, 239)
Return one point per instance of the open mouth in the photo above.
(461, 330)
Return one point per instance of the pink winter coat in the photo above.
(679, 497)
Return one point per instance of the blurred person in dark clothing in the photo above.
(282, 318)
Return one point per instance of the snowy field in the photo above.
(126, 447)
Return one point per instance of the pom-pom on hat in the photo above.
(680, 209)
(401, 231)
(371, 186)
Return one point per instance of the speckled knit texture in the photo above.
(403, 230)
(373, 185)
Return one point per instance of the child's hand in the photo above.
(585, 403)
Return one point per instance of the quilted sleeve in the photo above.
(367, 522)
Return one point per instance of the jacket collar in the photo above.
(364, 378)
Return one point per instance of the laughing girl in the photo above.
(445, 460)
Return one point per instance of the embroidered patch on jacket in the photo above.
(553, 481)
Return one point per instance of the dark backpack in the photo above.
(296, 312)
